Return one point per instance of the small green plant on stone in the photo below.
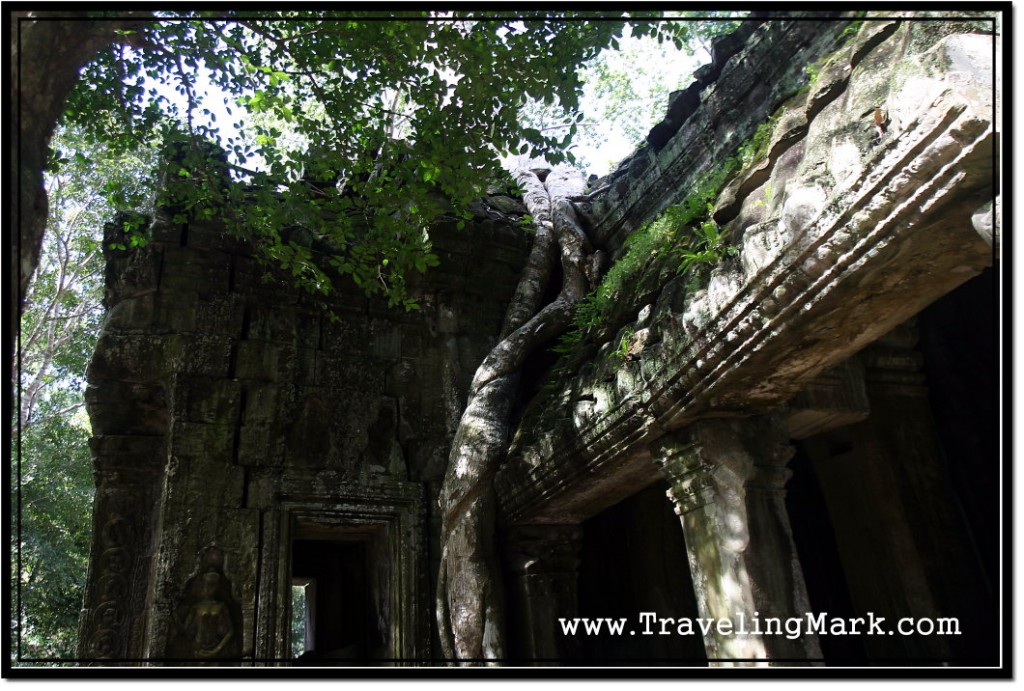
(684, 231)
(813, 72)
(756, 148)
(526, 224)
(708, 249)
(851, 30)
(624, 343)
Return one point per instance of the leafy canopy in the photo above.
(52, 470)
(626, 86)
(396, 118)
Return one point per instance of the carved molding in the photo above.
(307, 505)
(543, 549)
(879, 249)
(738, 540)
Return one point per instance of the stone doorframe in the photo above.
(391, 514)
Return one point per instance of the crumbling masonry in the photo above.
(813, 430)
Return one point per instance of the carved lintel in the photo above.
(836, 398)
(894, 364)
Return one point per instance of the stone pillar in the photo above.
(905, 547)
(113, 620)
(727, 480)
(542, 586)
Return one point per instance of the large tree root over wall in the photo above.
(470, 596)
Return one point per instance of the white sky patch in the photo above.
(604, 158)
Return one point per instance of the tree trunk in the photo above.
(470, 596)
(47, 52)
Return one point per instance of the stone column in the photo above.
(113, 619)
(543, 562)
(904, 545)
(727, 480)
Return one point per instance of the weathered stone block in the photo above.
(209, 400)
(262, 360)
(189, 271)
(357, 374)
(254, 280)
(132, 314)
(208, 355)
(220, 314)
(128, 445)
(164, 231)
(261, 403)
(215, 485)
(343, 337)
(385, 340)
(209, 236)
(115, 455)
(135, 357)
(212, 442)
(260, 445)
(269, 322)
(176, 311)
(413, 342)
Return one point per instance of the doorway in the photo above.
(342, 577)
(340, 611)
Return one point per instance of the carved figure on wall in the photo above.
(208, 622)
(208, 619)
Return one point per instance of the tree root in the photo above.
(470, 596)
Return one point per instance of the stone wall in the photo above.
(844, 230)
(873, 198)
(232, 415)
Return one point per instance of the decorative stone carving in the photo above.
(110, 616)
(861, 256)
(208, 622)
(835, 399)
(208, 616)
(727, 481)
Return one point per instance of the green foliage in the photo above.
(297, 626)
(624, 342)
(852, 29)
(756, 147)
(362, 126)
(685, 233)
(373, 128)
(706, 250)
(54, 495)
(51, 473)
(813, 72)
(626, 87)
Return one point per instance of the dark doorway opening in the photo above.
(634, 561)
(820, 561)
(340, 613)
(342, 580)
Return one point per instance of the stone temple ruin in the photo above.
(819, 418)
